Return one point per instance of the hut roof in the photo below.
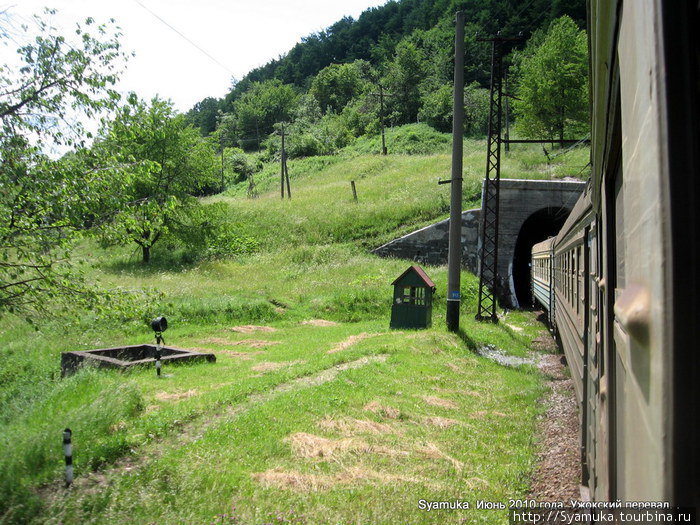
(421, 274)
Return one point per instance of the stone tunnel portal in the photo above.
(539, 226)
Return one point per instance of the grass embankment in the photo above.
(345, 423)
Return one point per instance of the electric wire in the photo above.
(185, 38)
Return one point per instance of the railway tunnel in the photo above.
(537, 227)
(529, 212)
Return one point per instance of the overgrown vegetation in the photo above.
(313, 408)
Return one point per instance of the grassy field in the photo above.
(298, 421)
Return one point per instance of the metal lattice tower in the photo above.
(488, 267)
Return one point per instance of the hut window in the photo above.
(413, 295)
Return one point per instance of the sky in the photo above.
(234, 36)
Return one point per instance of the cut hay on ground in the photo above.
(299, 482)
(319, 322)
(175, 396)
(245, 356)
(440, 402)
(310, 446)
(250, 328)
(384, 411)
(350, 427)
(269, 366)
(431, 450)
(253, 343)
(347, 343)
(441, 422)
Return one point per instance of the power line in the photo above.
(185, 38)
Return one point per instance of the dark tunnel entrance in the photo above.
(537, 227)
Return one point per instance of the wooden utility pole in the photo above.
(381, 109)
(454, 250)
(282, 164)
(381, 96)
(284, 171)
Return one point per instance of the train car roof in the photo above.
(581, 210)
(544, 246)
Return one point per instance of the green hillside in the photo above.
(299, 421)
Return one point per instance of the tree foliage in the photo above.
(257, 111)
(552, 82)
(174, 164)
(403, 79)
(336, 85)
(203, 115)
(46, 204)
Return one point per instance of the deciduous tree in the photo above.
(175, 164)
(46, 204)
(552, 82)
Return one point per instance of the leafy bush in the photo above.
(411, 139)
(208, 231)
(242, 165)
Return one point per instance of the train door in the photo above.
(619, 342)
(592, 350)
(610, 235)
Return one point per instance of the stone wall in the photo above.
(519, 199)
(429, 245)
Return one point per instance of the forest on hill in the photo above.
(138, 180)
(403, 50)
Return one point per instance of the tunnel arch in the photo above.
(540, 225)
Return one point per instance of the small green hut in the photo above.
(413, 299)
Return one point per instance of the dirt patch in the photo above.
(319, 322)
(272, 366)
(382, 410)
(349, 426)
(441, 422)
(175, 396)
(347, 343)
(514, 328)
(454, 367)
(557, 473)
(297, 481)
(250, 328)
(545, 343)
(440, 402)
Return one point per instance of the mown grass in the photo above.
(176, 450)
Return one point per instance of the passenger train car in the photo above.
(620, 282)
